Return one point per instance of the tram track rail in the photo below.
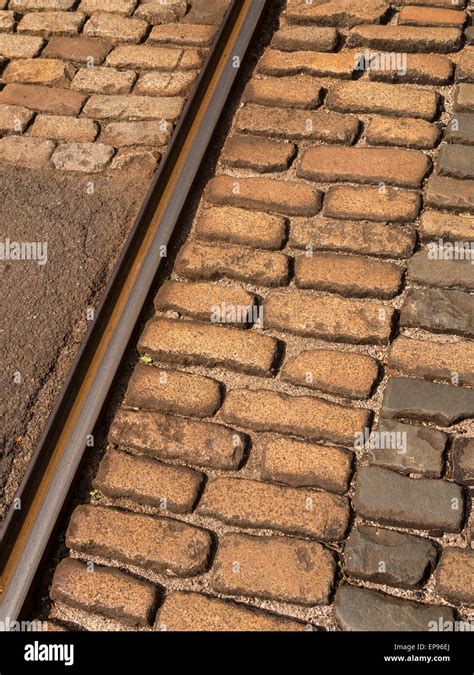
(30, 523)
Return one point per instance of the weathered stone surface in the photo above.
(146, 481)
(337, 12)
(464, 98)
(408, 132)
(183, 35)
(307, 38)
(190, 343)
(115, 28)
(186, 612)
(207, 13)
(43, 99)
(159, 544)
(465, 67)
(461, 129)
(78, 50)
(321, 64)
(20, 46)
(150, 132)
(300, 91)
(86, 157)
(305, 416)
(408, 449)
(418, 69)
(439, 310)
(456, 161)
(438, 225)
(136, 159)
(124, 7)
(388, 557)
(248, 503)
(361, 237)
(172, 392)
(462, 456)
(134, 107)
(455, 575)
(426, 269)
(328, 317)
(104, 80)
(335, 372)
(104, 591)
(278, 568)
(176, 83)
(425, 504)
(259, 154)
(262, 194)
(417, 399)
(393, 38)
(239, 226)
(49, 72)
(370, 203)
(154, 57)
(65, 128)
(383, 99)
(361, 609)
(32, 153)
(167, 437)
(452, 361)
(14, 118)
(428, 16)
(328, 164)
(307, 465)
(157, 12)
(51, 23)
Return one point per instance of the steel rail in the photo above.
(44, 490)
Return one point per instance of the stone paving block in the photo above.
(157, 83)
(51, 23)
(297, 124)
(434, 360)
(154, 57)
(7, 21)
(338, 12)
(428, 268)
(425, 504)
(455, 576)
(304, 416)
(64, 128)
(186, 612)
(393, 38)
(133, 159)
(450, 194)
(205, 261)
(43, 99)
(409, 398)
(151, 132)
(301, 464)
(465, 67)
(462, 456)
(169, 438)
(124, 7)
(78, 50)
(43, 5)
(288, 198)
(383, 99)
(20, 46)
(86, 157)
(371, 203)
(277, 568)
(254, 504)
(115, 28)
(361, 609)
(238, 226)
(332, 371)
(104, 81)
(461, 129)
(418, 69)
(448, 226)
(146, 481)
(259, 154)
(408, 132)
(48, 72)
(456, 161)
(157, 12)
(439, 310)
(14, 118)
(408, 449)
(192, 343)
(32, 153)
(158, 544)
(105, 107)
(169, 391)
(104, 591)
(183, 35)
(464, 98)
(427, 16)
(207, 13)
(305, 38)
(321, 64)
(329, 164)
(300, 91)
(361, 237)
(329, 317)
(388, 557)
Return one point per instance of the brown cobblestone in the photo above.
(427, 16)
(183, 35)
(124, 7)
(425, 269)
(48, 72)
(7, 21)
(408, 132)
(33, 153)
(160, 544)
(335, 372)
(190, 343)
(85, 157)
(132, 159)
(195, 612)
(439, 310)
(206, 302)
(115, 28)
(238, 226)
(157, 12)
(329, 317)
(321, 64)
(370, 203)
(456, 160)
(406, 38)
(134, 107)
(450, 194)
(204, 261)
(306, 38)
(146, 481)
(78, 50)
(207, 13)
(165, 84)
(259, 154)
(357, 237)
(104, 81)
(433, 360)
(278, 568)
(465, 67)
(262, 194)
(51, 23)
(169, 438)
(14, 118)
(438, 225)
(328, 164)
(20, 46)
(306, 416)
(462, 458)
(301, 91)
(172, 392)
(455, 575)
(298, 124)
(158, 58)
(420, 69)
(307, 465)
(151, 132)
(383, 99)
(104, 591)
(64, 128)
(249, 503)
(338, 12)
(39, 5)
(464, 98)
(43, 99)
